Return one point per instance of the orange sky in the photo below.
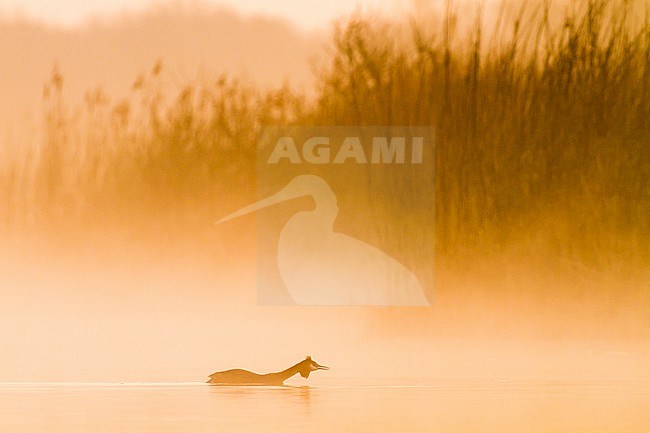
(306, 14)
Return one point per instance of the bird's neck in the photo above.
(289, 372)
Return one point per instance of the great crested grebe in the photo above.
(245, 377)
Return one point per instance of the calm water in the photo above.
(480, 405)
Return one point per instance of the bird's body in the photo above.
(322, 267)
(245, 377)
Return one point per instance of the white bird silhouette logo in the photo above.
(322, 267)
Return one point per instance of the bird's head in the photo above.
(299, 186)
(309, 365)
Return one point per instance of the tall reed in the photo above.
(541, 143)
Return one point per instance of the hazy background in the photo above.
(126, 135)
(110, 52)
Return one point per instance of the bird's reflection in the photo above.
(289, 399)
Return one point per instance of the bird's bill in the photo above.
(280, 196)
(321, 367)
(269, 201)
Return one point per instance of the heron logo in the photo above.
(344, 216)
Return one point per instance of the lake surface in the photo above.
(336, 405)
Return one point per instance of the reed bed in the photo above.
(542, 136)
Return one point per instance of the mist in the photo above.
(109, 54)
(127, 139)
